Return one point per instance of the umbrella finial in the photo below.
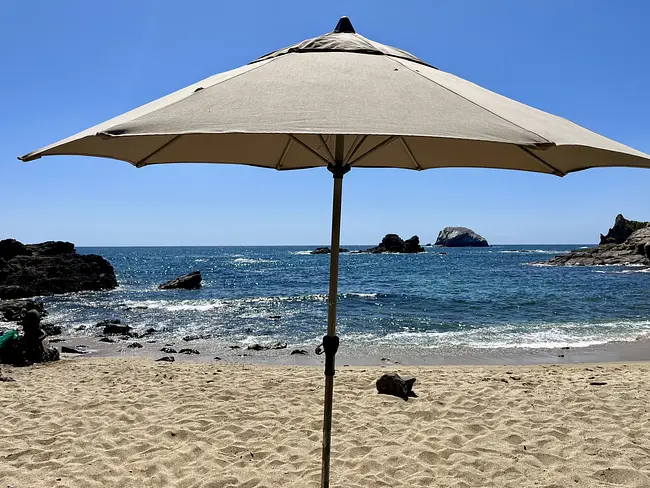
(344, 25)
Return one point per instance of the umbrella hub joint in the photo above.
(330, 347)
(338, 169)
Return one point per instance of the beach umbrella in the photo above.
(344, 101)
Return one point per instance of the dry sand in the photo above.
(129, 422)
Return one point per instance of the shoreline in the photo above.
(355, 355)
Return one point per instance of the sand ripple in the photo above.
(136, 423)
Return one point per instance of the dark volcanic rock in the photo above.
(394, 243)
(166, 359)
(301, 352)
(260, 347)
(412, 245)
(460, 237)
(10, 248)
(624, 254)
(72, 350)
(104, 323)
(191, 281)
(14, 310)
(135, 345)
(114, 329)
(106, 339)
(188, 351)
(396, 385)
(49, 268)
(622, 229)
(52, 330)
(327, 250)
(168, 350)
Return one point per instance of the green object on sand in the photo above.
(7, 337)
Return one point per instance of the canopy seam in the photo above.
(397, 60)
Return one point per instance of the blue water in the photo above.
(482, 297)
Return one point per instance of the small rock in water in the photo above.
(598, 383)
(106, 339)
(188, 351)
(565, 348)
(560, 355)
(72, 350)
(191, 281)
(104, 323)
(168, 350)
(256, 347)
(233, 347)
(217, 358)
(396, 385)
(81, 327)
(135, 345)
(166, 359)
(275, 317)
(299, 351)
(148, 332)
(56, 340)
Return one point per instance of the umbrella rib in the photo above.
(309, 149)
(322, 139)
(539, 160)
(385, 142)
(410, 153)
(469, 100)
(284, 154)
(355, 147)
(143, 161)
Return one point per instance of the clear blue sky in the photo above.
(68, 65)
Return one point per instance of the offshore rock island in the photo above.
(460, 237)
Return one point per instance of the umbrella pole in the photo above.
(331, 341)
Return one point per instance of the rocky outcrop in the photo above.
(191, 281)
(394, 243)
(15, 310)
(326, 250)
(622, 229)
(460, 237)
(635, 250)
(52, 267)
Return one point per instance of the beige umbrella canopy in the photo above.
(341, 100)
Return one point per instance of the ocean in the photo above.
(474, 298)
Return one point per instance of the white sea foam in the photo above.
(535, 251)
(252, 260)
(300, 253)
(531, 336)
(361, 295)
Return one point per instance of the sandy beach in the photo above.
(132, 422)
